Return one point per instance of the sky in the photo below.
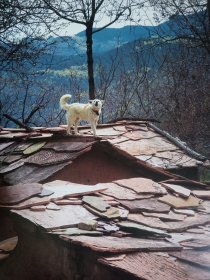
(72, 29)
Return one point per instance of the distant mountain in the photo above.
(103, 41)
(65, 52)
(111, 38)
(106, 39)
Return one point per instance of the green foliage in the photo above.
(74, 71)
(205, 174)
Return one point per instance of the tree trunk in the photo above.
(89, 44)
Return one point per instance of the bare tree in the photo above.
(19, 36)
(120, 81)
(91, 13)
(179, 93)
(189, 20)
(21, 46)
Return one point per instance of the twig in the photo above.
(19, 123)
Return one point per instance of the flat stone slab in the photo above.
(141, 229)
(38, 208)
(77, 231)
(64, 189)
(88, 225)
(96, 202)
(171, 216)
(33, 148)
(184, 192)
(111, 213)
(201, 194)
(201, 258)
(146, 205)
(121, 245)
(5, 145)
(189, 222)
(147, 146)
(67, 146)
(49, 157)
(33, 201)
(10, 158)
(32, 173)
(179, 202)
(8, 245)
(53, 206)
(142, 186)
(147, 266)
(67, 216)
(186, 212)
(118, 192)
(68, 202)
(13, 166)
(18, 193)
(153, 222)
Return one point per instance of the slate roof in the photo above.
(146, 229)
(34, 156)
(164, 226)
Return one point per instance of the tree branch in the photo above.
(38, 107)
(62, 15)
(19, 123)
(110, 23)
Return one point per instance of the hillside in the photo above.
(107, 39)
(67, 51)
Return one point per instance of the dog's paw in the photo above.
(68, 132)
(76, 133)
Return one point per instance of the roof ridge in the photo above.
(178, 143)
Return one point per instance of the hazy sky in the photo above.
(72, 29)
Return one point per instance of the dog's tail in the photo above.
(63, 101)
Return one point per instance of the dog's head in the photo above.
(96, 104)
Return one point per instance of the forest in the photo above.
(159, 71)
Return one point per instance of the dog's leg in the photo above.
(76, 127)
(93, 128)
(69, 128)
(69, 125)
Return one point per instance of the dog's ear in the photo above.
(90, 101)
(102, 101)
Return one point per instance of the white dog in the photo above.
(76, 111)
